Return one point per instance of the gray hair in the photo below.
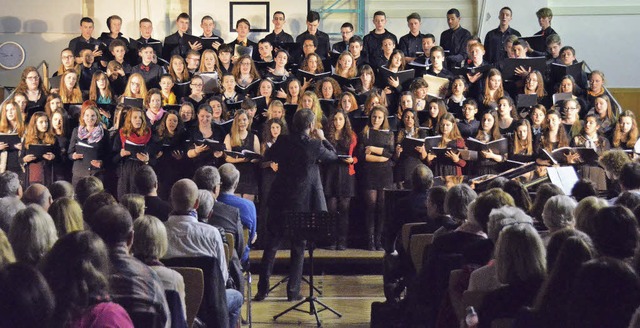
(229, 177)
(457, 201)
(505, 216)
(9, 184)
(520, 255)
(207, 178)
(558, 212)
(32, 234)
(205, 204)
(151, 242)
(9, 206)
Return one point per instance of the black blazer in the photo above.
(297, 185)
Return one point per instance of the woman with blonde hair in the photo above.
(239, 139)
(136, 88)
(625, 133)
(310, 100)
(345, 66)
(67, 215)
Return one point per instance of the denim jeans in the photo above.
(234, 304)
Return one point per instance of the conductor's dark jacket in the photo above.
(297, 185)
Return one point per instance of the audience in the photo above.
(37, 194)
(9, 206)
(133, 284)
(26, 300)
(32, 234)
(60, 189)
(146, 183)
(86, 187)
(10, 185)
(134, 203)
(67, 216)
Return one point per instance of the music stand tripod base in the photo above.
(311, 227)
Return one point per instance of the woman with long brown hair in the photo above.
(31, 85)
(38, 133)
(625, 134)
(450, 163)
(134, 134)
(11, 122)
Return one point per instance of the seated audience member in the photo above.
(10, 184)
(521, 266)
(146, 183)
(222, 215)
(229, 177)
(583, 189)
(94, 203)
(605, 293)
(82, 295)
(61, 189)
(9, 206)
(613, 161)
(585, 212)
(615, 232)
(486, 278)
(86, 187)
(558, 213)
(6, 251)
(134, 203)
(629, 178)
(190, 238)
(628, 199)
(456, 205)
(37, 194)
(26, 299)
(134, 285)
(32, 234)
(149, 246)
(543, 194)
(67, 216)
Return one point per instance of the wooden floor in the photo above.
(350, 295)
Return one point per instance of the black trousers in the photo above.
(273, 244)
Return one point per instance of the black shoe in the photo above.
(298, 297)
(371, 244)
(341, 246)
(260, 296)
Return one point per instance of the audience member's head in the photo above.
(6, 251)
(134, 203)
(145, 180)
(207, 178)
(543, 194)
(558, 212)
(229, 178)
(37, 194)
(605, 293)
(497, 183)
(519, 193)
(32, 234)
(520, 255)
(67, 215)
(205, 205)
(26, 300)
(582, 189)
(86, 187)
(184, 196)
(9, 206)
(505, 216)
(10, 184)
(60, 189)
(422, 178)
(77, 270)
(615, 232)
(612, 161)
(151, 241)
(586, 211)
(457, 201)
(93, 203)
(435, 201)
(630, 176)
(487, 202)
(572, 248)
(557, 239)
(628, 199)
(113, 224)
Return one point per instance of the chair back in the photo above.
(502, 323)
(213, 310)
(193, 289)
(417, 248)
(406, 233)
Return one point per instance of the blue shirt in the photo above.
(248, 215)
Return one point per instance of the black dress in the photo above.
(375, 175)
(82, 168)
(168, 168)
(407, 162)
(248, 183)
(337, 180)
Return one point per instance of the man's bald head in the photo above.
(184, 195)
(37, 194)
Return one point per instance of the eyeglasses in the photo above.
(33, 77)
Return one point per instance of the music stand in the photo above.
(311, 227)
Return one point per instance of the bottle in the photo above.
(472, 317)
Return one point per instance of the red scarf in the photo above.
(133, 137)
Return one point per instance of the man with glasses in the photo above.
(278, 35)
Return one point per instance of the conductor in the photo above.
(297, 187)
